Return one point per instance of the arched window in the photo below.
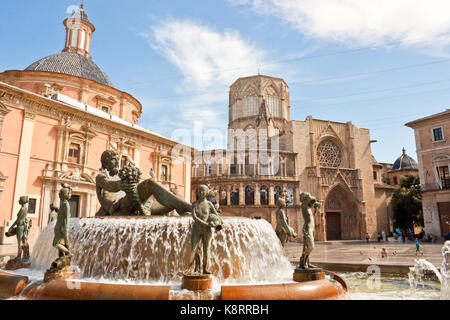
(249, 195)
(289, 196)
(164, 172)
(223, 197)
(249, 168)
(273, 102)
(233, 166)
(250, 104)
(74, 153)
(329, 154)
(234, 196)
(233, 111)
(264, 195)
(277, 191)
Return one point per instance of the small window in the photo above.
(32, 206)
(164, 172)
(395, 181)
(437, 134)
(375, 176)
(124, 161)
(444, 176)
(105, 109)
(234, 196)
(74, 153)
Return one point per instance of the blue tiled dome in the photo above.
(404, 162)
(71, 63)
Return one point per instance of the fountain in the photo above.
(144, 256)
(423, 267)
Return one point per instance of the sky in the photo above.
(378, 64)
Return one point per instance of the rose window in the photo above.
(329, 154)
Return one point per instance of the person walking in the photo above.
(367, 238)
(418, 249)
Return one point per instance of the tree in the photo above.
(407, 203)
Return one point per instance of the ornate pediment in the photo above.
(345, 177)
(329, 131)
(76, 175)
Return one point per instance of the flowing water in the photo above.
(424, 282)
(388, 287)
(156, 250)
(423, 269)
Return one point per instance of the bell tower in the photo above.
(79, 32)
(260, 102)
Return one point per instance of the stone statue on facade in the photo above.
(20, 228)
(121, 194)
(53, 215)
(206, 219)
(309, 206)
(283, 230)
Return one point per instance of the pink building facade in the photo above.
(56, 119)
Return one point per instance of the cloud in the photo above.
(209, 62)
(203, 54)
(363, 22)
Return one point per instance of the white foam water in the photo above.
(143, 250)
(422, 266)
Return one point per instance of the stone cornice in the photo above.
(62, 79)
(36, 104)
(3, 109)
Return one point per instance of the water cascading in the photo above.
(421, 267)
(157, 250)
(445, 271)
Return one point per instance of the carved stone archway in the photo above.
(342, 221)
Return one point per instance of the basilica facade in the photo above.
(56, 118)
(269, 156)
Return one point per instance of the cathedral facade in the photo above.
(269, 156)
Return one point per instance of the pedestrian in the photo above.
(379, 237)
(383, 235)
(383, 253)
(367, 238)
(418, 249)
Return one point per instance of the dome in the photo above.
(73, 64)
(404, 162)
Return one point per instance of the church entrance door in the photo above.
(333, 222)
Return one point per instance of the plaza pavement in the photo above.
(358, 256)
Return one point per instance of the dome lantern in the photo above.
(79, 32)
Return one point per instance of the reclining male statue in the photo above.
(120, 193)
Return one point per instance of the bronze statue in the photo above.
(309, 203)
(20, 228)
(283, 230)
(53, 213)
(205, 218)
(61, 238)
(123, 194)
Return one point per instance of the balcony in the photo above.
(435, 187)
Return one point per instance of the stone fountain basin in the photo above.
(122, 257)
(12, 285)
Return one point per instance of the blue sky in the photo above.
(378, 64)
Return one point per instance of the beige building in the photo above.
(433, 155)
(331, 160)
